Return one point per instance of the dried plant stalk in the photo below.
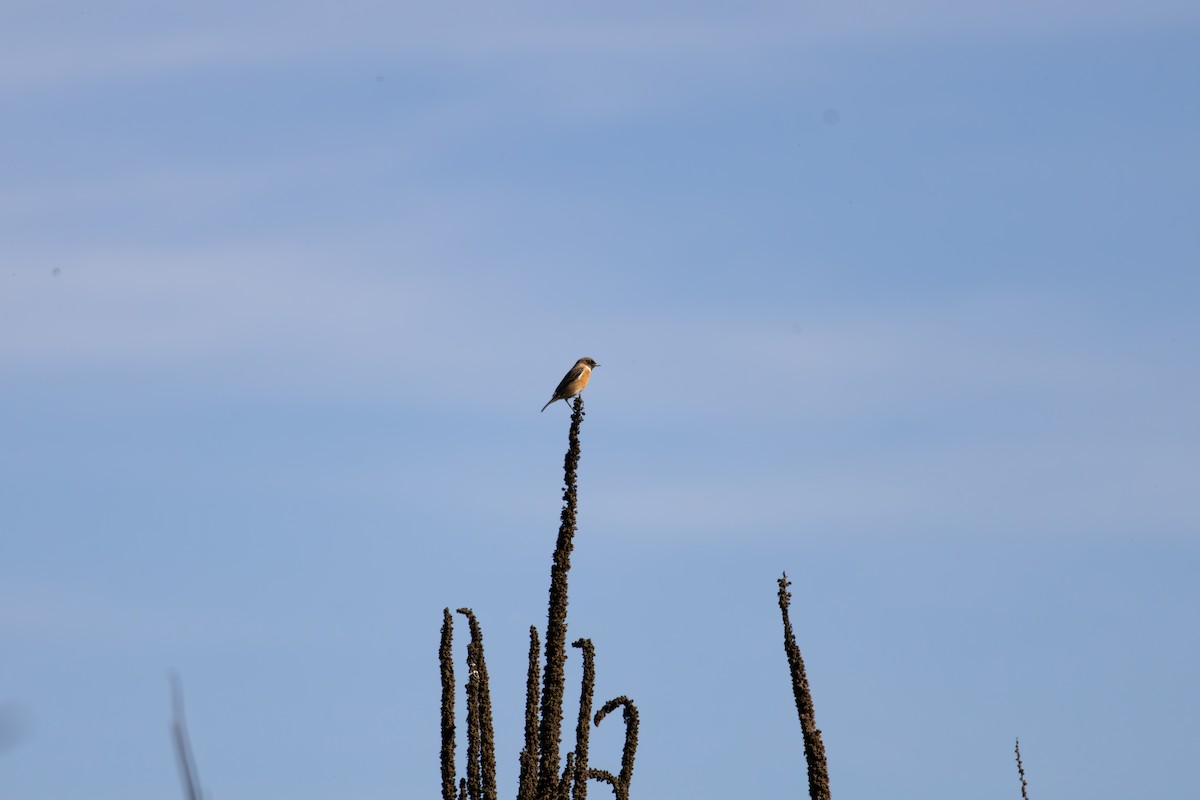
(583, 727)
(563, 792)
(540, 778)
(446, 660)
(814, 748)
(183, 748)
(620, 783)
(1021, 772)
(527, 783)
(550, 730)
(481, 757)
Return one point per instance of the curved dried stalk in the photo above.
(604, 776)
(814, 748)
(183, 747)
(620, 783)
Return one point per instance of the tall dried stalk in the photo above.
(550, 730)
(527, 783)
(446, 659)
(814, 748)
(583, 727)
(481, 761)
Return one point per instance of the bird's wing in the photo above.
(568, 379)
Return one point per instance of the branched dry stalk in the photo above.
(540, 775)
(481, 741)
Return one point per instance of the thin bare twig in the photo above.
(183, 747)
(1021, 771)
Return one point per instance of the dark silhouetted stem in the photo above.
(527, 784)
(564, 783)
(473, 790)
(814, 748)
(620, 783)
(183, 748)
(550, 731)
(481, 747)
(583, 727)
(1021, 772)
(446, 659)
(604, 776)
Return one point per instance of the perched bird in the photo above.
(574, 381)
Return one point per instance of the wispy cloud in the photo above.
(347, 310)
(982, 487)
(153, 307)
(943, 416)
(76, 45)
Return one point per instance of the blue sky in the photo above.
(897, 297)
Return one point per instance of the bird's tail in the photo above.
(548, 402)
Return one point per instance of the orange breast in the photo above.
(576, 386)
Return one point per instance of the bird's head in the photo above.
(586, 362)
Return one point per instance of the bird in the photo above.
(574, 381)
